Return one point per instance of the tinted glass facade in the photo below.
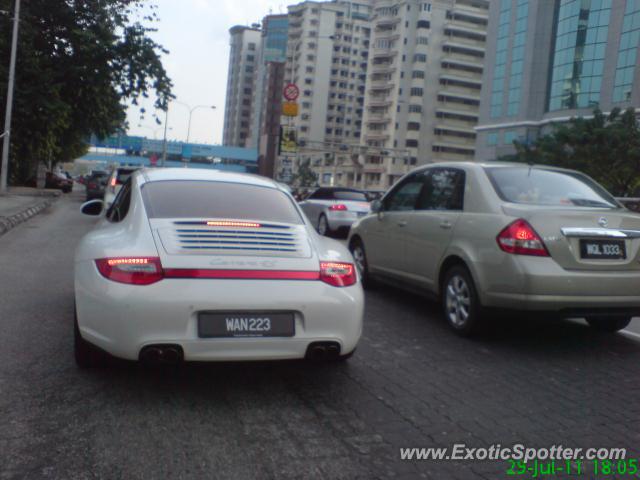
(517, 57)
(578, 59)
(627, 52)
(502, 50)
(275, 37)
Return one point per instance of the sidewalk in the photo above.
(22, 203)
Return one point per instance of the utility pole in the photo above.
(164, 140)
(7, 119)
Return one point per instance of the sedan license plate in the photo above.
(245, 324)
(603, 249)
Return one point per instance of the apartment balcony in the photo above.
(457, 117)
(378, 120)
(379, 102)
(390, 35)
(462, 51)
(465, 34)
(377, 135)
(473, 17)
(461, 82)
(381, 88)
(383, 21)
(387, 67)
(384, 53)
(454, 148)
(462, 67)
(464, 134)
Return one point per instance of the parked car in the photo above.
(58, 181)
(117, 178)
(96, 185)
(508, 236)
(332, 209)
(192, 264)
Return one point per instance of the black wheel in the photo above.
(609, 324)
(460, 301)
(86, 355)
(323, 226)
(346, 356)
(360, 258)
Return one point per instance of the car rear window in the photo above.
(207, 199)
(123, 175)
(348, 195)
(541, 186)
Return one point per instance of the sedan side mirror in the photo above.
(376, 206)
(92, 207)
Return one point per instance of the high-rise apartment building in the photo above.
(550, 60)
(423, 85)
(327, 58)
(243, 59)
(273, 48)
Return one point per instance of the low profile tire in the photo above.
(86, 355)
(460, 302)
(360, 258)
(323, 226)
(609, 324)
(347, 356)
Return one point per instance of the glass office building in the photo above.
(551, 60)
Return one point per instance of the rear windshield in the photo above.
(123, 175)
(540, 186)
(206, 199)
(347, 195)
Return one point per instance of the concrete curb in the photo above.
(7, 223)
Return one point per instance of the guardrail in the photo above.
(630, 203)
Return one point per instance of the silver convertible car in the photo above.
(507, 236)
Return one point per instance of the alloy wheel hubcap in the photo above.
(458, 301)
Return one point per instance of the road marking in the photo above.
(633, 334)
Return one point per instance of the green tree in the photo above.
(605, 147)
(305, 177)
(79, 63)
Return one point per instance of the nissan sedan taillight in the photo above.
(521, 239)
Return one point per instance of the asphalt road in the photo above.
(412, 383)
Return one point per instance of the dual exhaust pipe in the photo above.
(323, 351)
(162, 354)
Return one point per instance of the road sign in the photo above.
(291, 92)
(288, 140)
(290, 109)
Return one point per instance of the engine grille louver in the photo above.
(275, 240)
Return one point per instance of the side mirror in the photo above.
(92, 207)
(376, 206)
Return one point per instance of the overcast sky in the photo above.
(196, 33)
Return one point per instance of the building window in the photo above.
(423, 24)
(510, 136)
(415, 108)
(416, 92)
(419, 57)
(414, 126)
(411, 143)
(422, 40)
(492, 139)
(578, 58)
(250, 58)
(251, 46)
(627, 53)
(417, 74)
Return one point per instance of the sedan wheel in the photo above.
(323, 225)
(460, 301)
(360, 259)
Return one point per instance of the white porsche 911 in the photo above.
(201, 265)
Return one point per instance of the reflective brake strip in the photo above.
(241, 274)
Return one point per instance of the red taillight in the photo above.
(337, 274)
(131, 270)
(338, 207)
(91, 185)
(113, 182)
(521, 239)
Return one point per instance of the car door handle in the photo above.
(446, 224)
(402, 223)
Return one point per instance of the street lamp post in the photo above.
(6, 135)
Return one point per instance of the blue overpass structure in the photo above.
(132, 150)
